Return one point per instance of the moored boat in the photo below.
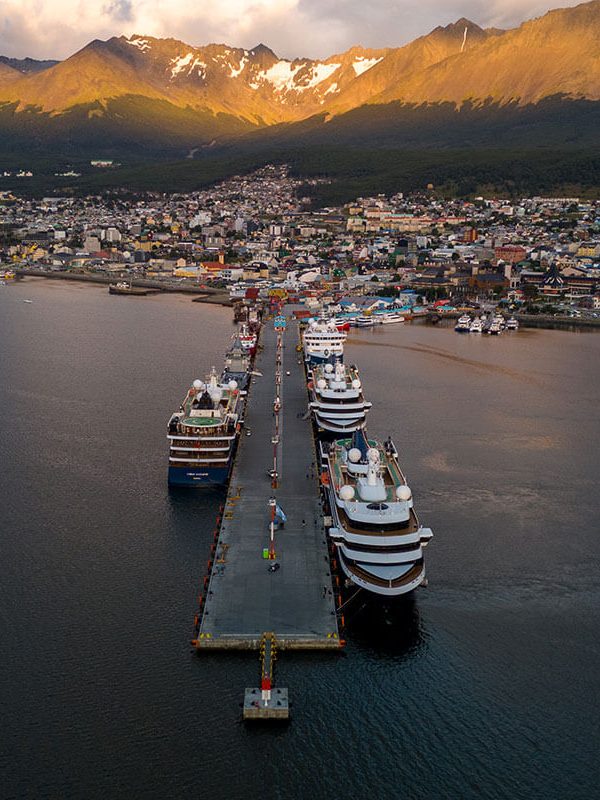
(323, 342)
(375, 528)
(237, 365)
(203, 434)
(248, 338)
(122, 287)
(363, 322)
(388, 317)
(336, 399)
(463, 324)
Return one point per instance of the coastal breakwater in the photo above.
(201, 295)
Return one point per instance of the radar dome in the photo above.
(216, 395)
(347, 492)
(197, 384)
(232, 385)
(354, 455)
(322, 383)
(356, 383)
(403, 493)
(328, 368)
(373, 454)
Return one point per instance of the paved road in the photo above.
(245, 599)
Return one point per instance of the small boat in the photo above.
(389, 317)
(463, 324)
(476, 326)
(127, 288)
(28, 301)
(494, 328)
(363, 322)
(342, 324)
(512, 324)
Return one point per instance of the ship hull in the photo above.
(198, 476)
(384, 589)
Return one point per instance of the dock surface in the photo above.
(244, 598)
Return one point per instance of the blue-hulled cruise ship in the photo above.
(203, 434)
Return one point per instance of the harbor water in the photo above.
(483, 687)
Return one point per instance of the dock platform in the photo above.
(244, 597)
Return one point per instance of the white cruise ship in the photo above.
(323, 342)
(336, 399)
(375, 528)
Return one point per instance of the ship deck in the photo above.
(245, 599)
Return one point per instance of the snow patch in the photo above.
(320, 73)
(179, 63)
(363, 64)
(141, 44)
(331, 90)
(281, 75)
(233, 72)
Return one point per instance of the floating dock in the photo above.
(245, 596)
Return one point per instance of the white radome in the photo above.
(197, 384)
(373, 454)
(328, 368)
(233, 385)
(322, 383)
(403, 493)
(356, 383)
(347, 492)
(354, 455)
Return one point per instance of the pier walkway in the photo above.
(244, 598)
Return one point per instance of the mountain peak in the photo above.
(262, 50)
(459, 27)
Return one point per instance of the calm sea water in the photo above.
(485, 687)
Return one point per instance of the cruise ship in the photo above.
(237, 365)
(203, 434)
(336, 399)
(323, 342)
(378, 537)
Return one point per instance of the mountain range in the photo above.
(141, 97)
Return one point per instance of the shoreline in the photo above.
(214, 296)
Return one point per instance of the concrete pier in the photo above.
(245, 598)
